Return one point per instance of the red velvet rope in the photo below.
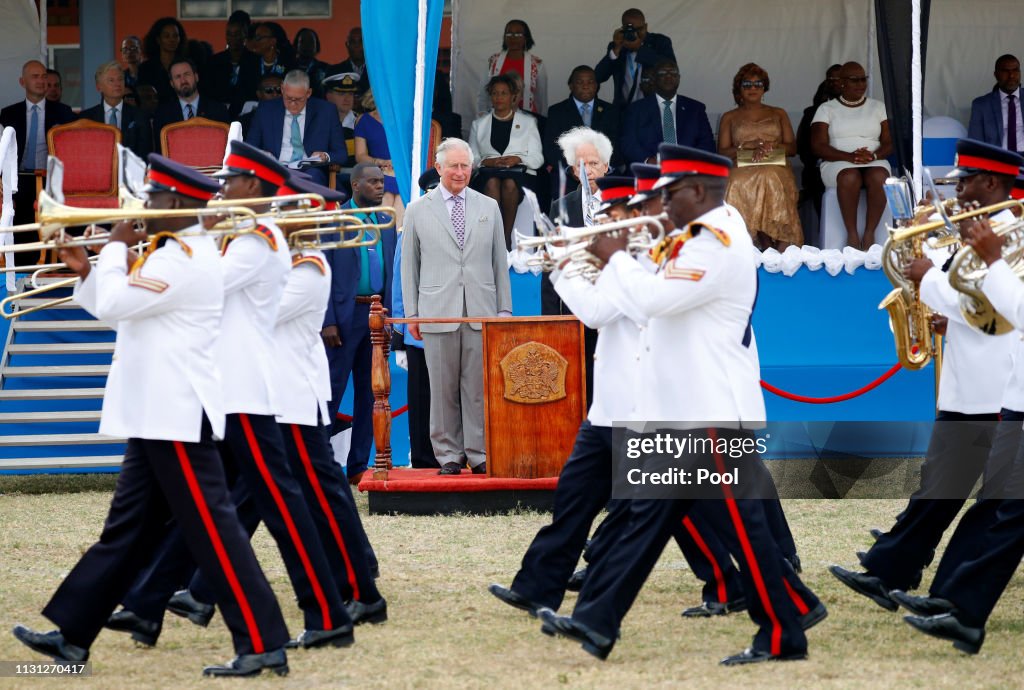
(835, 398)
(394, 413)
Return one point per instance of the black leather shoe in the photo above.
(480, 469)
(867, 585)
(708, 609)
(311, 639)
(185, 605)
(876, 533)
(450, 468)
(515, 600)
(947, 627)
(52, 644)
(752, 656)
(861, 555)
(814, 616)
(251, 665)
(360, 613)
(575, 583)
(795, 562)
(593, 642)
(923, 606)
(143, 631)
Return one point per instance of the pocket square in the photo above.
(130, 125)
(483, 219)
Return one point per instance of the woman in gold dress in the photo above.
(760, 138)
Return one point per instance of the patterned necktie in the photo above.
(459, 221)
(589, 209)
(585, 114)
(112, 119)
(189, 113)
(296, 139)
(668, 124)
(28, 161)
(1011, 122)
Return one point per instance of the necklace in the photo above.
(853, 104)
(508, 117)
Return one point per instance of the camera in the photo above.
(629, 33)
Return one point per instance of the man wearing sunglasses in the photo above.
(269, 89)
(664, 116)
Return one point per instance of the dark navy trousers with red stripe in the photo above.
(161, 480)
(775, 595)
(584, 487)
(257, 449)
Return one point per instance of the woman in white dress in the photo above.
(851, 137)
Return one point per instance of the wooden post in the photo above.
(381, 383)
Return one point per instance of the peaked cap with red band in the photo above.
(301, 184)
(644, 177)
(683, 161)
(166, 175)
(246, 159)
(976, 157)
(615, 190)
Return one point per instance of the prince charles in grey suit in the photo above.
(454, 264)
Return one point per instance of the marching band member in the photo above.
(698, 362)
(975, 370)
(305, 384)
(163, 393)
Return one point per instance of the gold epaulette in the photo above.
(267, 234)
(135, 277)
(722, 235)
(315, 261)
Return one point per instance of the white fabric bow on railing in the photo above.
(9, 179)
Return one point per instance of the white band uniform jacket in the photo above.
(617, 355)
(167, 314)
(1006, 292)
(699, 361)
(975, 366)
(255, 275)
(303, 378)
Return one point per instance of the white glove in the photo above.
(402, 359)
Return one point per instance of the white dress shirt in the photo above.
(119, 108)
(41, 150)
(1004, 102)
(195, 107)
(286, 138)
(450, 204)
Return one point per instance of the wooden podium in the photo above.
(534, 391)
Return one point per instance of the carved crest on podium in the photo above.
(534, 373)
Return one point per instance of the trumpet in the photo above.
(967, 272)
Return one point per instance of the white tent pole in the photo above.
(916, 72)
(418, 101)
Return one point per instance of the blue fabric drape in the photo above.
(390, 28)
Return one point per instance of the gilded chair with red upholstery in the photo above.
(197, 142)
(433, 142)
(89, 152)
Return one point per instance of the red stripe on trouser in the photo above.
(322, 499)
(748, 552)
(218, 547)
(723, 597)
(257, 455)
(801, 607)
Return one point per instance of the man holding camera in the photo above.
(632, 47)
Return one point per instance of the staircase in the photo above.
(52, 372)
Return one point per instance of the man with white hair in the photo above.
(112, 110)
(454, 264)
(296, 127)
(594, 150)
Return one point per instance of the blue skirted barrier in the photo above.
(817, 335)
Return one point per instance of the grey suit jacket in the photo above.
(441, 281)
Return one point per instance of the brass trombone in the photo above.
(338, 223)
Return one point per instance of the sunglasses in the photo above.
(270, 90)
(756, 84)
(667, 73)
(857, 80)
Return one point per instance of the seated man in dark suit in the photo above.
(632, 48)
(582, 109)
(996, 117)
(356, 61)
(31, 119)
(594, 150)
(189, 103)
(664, 116)
(357, 275)
(269, 89)
(310, 130)
(231, 74)
(112, 110)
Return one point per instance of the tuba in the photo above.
(967, 272)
